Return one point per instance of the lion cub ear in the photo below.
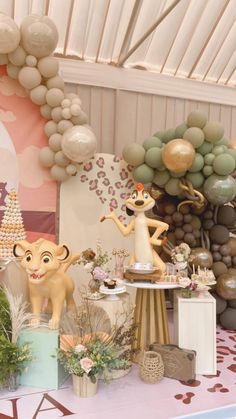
(63, 253)
(20, 247)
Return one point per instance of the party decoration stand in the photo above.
(44, 371)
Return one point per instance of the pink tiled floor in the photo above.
(130, 398)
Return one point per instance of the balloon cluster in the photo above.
(26, 53)
(195, 151)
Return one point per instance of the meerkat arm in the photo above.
(125, 230)
(160, 228)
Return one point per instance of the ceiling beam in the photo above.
(103, 75)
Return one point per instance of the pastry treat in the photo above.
(111, 284)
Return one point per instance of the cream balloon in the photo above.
(45, 111)
(18, 56)
(50, 128)
(13, 71)
(54, 97)
(46, 157)
(9, 34)
(57, 82)
(39, 35)
(79, 144)
(3, 59)
(59, 173)
(29, 77)
(38, 95)
(48, 66)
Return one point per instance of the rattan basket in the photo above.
(151, 369)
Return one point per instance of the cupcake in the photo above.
(111, 284)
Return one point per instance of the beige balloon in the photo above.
(9, 34)
(39, 35)
(18, 56)
(75, 109)
(54, 97)
(57, 114)
(71, 169)
(66, 103)
(29, 77)
(55, 142)
(57, 82)
(31, 61)
(66, 113)
(50, 128)
(61, 160)
(48, 66)
(178, 155)
(38, 95)
(3, 59)
(81, 119)
(64, 125)
(45, 111)
(59, 173)
(46, 157)
(79, 144)
(13, 71)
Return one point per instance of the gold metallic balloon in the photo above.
(178, 155)
(201, 257)
(226, 286)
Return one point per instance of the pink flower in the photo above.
(99, 274)
(86, 364)
(184, 282)
(80, 348)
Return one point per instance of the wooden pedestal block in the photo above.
(44, 370)
(195, 328)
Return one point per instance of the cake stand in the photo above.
(112, 293)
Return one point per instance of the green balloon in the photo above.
(161, 178)
(168, 135)
(232, 152)
(218, 149)
(213, 132)
(198, 163)
(152, 142)
(133, 154)
(178, 175)
(224, 164)
(197, 118)
(143, 174)
(159, 134)
(223, 141)
(209, 158)
(195, 136)
(180, 130)
(205, 148)
(153, 157)
(207, 170)
(220, 189)
(197, 179)
(172, 187)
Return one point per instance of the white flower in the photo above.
(184, 282)
(179, 257)
(88, 267)
(80, 348)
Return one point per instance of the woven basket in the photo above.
(151, 368)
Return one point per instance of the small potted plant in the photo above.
(87, 361)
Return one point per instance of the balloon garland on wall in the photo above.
(192, 172)
(27, 55)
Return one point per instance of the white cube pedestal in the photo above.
(195, 328)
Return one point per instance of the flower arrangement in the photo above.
(180, 255)
(92, 358)
(13, 359)
(120, 255)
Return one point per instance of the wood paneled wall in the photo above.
(119, 117)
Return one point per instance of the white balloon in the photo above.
(79, 143)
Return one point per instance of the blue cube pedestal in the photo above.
(44, 370)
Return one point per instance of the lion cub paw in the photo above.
(53, 323)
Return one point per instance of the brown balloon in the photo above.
(226, 286)
(201, 257)
(232, 245)
(178, 155)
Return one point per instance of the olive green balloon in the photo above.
(177, 175)
(218, 149)
(159, 134)
(152, 142)
(133, 154)
(180, 130)
(161, 178)
(198, 163)
(232, 152)
(205, 148)
(209, 158)
(195, 136)
(143, 174)
(153, 157)
(219, 189)
(224, 164)
(197, 118)
(213, 132)
(172, 187)
(197, 179)
(207, 170)
(223, 141)
(168, 135)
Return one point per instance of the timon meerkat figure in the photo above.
(137, 204)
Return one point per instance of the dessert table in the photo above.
(150, 313)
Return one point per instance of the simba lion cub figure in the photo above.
(46, 263)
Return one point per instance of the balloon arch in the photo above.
(26, 52)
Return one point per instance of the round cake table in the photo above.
(150, 313)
